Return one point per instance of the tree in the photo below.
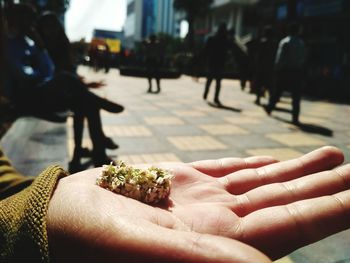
(193, 10)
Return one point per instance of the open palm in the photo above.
(272, 206)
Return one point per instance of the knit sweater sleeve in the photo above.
(23, 209)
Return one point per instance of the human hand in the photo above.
(92, 84)
(96, 84)
(275, 207)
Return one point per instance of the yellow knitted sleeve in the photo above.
(23, 236)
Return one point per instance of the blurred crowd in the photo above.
(224, 210)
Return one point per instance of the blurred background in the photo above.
(111, 36)
(111, 33)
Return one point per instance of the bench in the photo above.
(33, 143)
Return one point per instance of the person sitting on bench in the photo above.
(38, 89)
(56, 42)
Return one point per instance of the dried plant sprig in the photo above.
(146, 185)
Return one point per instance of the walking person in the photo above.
(216, 51)
(242, 55)
(153, 58)
(264, 64)
(289, 70)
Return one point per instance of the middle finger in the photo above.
(307, 187)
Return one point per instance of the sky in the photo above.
(83, 16)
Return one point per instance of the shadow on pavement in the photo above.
(310, 128)
(221, 106)
(282, 109)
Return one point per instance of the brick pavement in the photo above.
(178, 125)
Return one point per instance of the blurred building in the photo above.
(113, 39)
(237, 14)
(147, 17)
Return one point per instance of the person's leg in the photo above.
(296, 90)
(269, 84)
(66, 90)
(296, 98)
(207, 86)
(69, 92)
(243, 83)
(217, 90)
(78, 125)
(78, 152)
(158, 84)
(97, 137)
(275, 95)
(78, 131)
(258, 89)
(99, 155)
(149, 85)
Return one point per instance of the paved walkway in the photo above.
(178, 125)
(33, 144)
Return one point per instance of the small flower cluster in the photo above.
(149, 186)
